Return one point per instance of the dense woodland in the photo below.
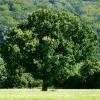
(82, 75)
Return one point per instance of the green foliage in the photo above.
(11, 13)
(71, 80)
(49, 43)
(27, 81)
(85, 75)
(90, 72)
(87, 10)
(3, 73)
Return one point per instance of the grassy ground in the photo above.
(59, 94)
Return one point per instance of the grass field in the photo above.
(56, 94)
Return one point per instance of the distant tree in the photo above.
(11, 13)
(48, 44)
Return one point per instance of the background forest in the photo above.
(13, 12)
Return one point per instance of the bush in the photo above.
(3, 73)
(82, 75)
(74, 80)
(90, 72)
(27, 81)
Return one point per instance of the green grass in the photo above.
(56, 94)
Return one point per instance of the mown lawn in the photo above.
(52, 94)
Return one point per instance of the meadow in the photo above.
(51, 94)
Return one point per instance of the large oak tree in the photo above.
(48, 44)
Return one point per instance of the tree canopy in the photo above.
(13, 12)
(49, 43)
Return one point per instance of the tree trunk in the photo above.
(44, 85)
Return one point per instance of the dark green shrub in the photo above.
(27, 81)
(3, 73)
(90, 72)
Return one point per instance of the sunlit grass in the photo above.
(52, 94)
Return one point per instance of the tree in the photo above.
(48, 44)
